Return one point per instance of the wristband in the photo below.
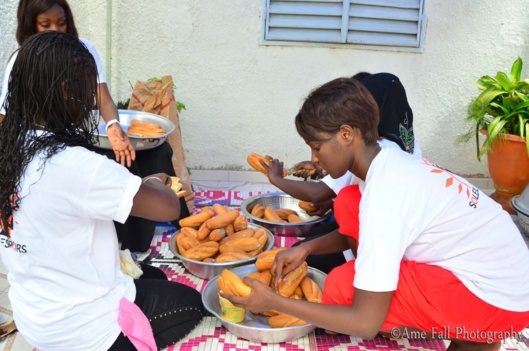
(111, 122)
(152, 177)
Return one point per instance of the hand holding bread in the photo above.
(257, 161)
(295, 285)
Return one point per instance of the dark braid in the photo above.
(53, 88)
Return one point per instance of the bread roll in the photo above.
(202, 251)
(221, 221)
(196, 220)
(283, 213)
(307, 206)
(232, 256)
(287, 286)
(284, 320)
(271, 215)
(258, 211)
(245, 244)
(254, 160)
(294, 218)
(217, 234)
(311, 290)
(240, 223)
(231, 283)
(266, 259)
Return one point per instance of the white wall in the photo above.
(242, 97)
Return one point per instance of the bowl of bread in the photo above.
(282, 214)
(145, 130)
(270, 326)
(217, 238)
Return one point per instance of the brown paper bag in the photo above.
(157, 97)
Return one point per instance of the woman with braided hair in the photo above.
(36, 16)
(58, 203)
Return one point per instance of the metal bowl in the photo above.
(521, 202)
(139, 143)
(255, 327)
(208, 270)
(282, 200)
(523, 217)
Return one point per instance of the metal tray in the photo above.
(208, 270)
(255, 327)
(139, 143)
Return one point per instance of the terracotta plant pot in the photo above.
(508, 168)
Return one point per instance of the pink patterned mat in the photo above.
(211, 335)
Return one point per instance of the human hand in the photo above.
(259, 300)
(274, 170)
(286, 261)
(123, 149)
(323, 207)
(306, 169)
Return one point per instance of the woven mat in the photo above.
(211, 335)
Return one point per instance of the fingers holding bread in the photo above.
(256, 161)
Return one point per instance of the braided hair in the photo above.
(51, 94)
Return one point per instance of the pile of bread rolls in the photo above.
(217, 234)
(296, 285)
(144, 129)
(278, 215)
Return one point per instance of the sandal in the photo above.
(7, 328)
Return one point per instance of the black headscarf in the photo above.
(396, 116)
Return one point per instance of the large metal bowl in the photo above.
(208, 270)
(255, 327)
(139, 143)
(282, 200)
(523, 216)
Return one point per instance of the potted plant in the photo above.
(500, 115)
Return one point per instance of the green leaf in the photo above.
(505, 81)
(516, 70)
(180, 106)
(487, 82)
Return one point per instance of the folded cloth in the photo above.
(135, 325)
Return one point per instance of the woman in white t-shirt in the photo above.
(436, 257)
(395, 129)
(58, 203)
(36, 16)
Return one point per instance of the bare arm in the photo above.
(155, 200)
(363, 318)
(308, 191)
(288, 260)
(120, 142)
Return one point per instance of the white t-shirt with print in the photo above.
(100, 71)
(349, 178)
(414, 211)
(62, 256)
